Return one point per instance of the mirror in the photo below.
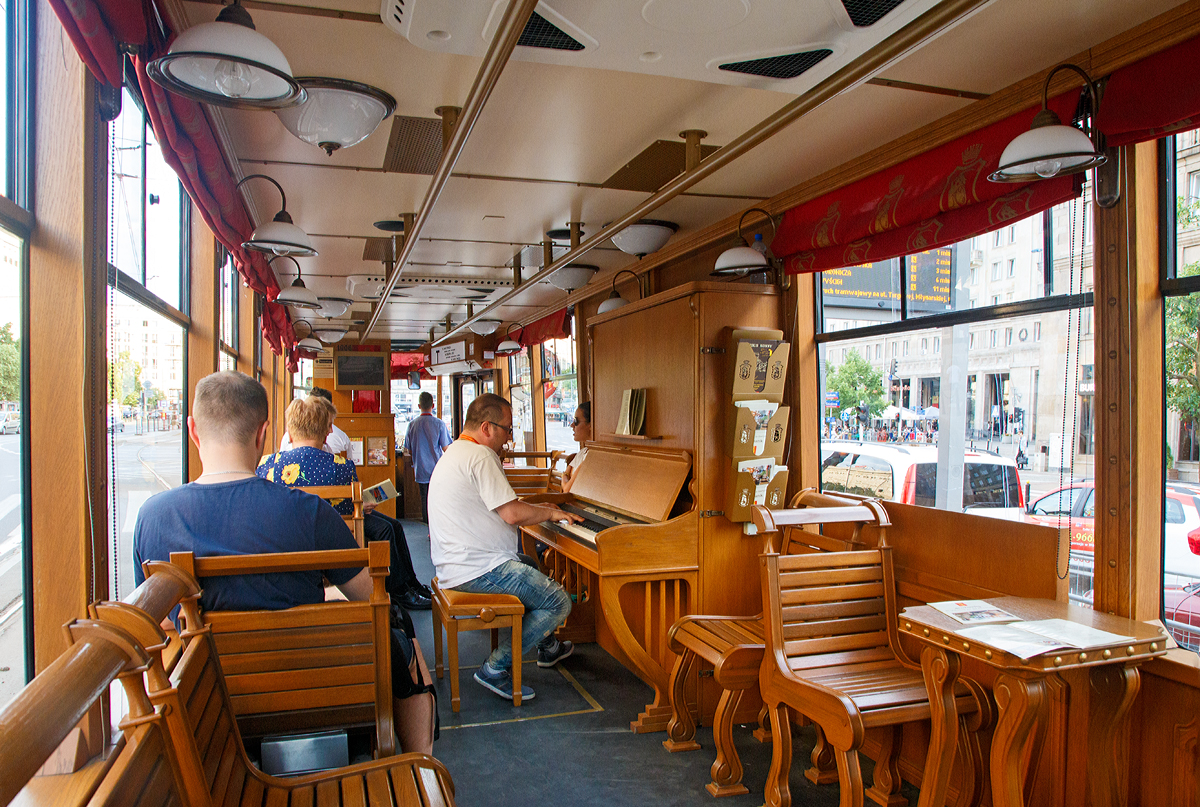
(414, 379)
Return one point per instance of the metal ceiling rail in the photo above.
(863, 68)
(511, 25)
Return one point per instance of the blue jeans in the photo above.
(546, 604)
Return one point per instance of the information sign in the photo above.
(877, 285)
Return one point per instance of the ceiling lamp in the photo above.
(744, 259)
(483, 327)
(1050, 148)
(308, 343)
(337, 113)
(644, 236)
(228, 63)
(509, 347)
(330, 334)
(334, 306)
(278, 236)
(615, 300)
(297, 295)
(573, 276)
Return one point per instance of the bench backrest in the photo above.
(141, 772)
(335, 494)
(531, 478)
(310, 667)
(831, 608)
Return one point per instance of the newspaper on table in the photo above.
(1029, 639)
(974, 612)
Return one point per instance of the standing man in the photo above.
(427, 437)
(473, 520)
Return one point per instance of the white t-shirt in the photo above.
(579, 457)
(338, 442)
(466, 536)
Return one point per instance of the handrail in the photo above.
(911, 36)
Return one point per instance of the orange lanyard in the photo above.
(469, 439)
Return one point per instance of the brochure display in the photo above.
(759, 423)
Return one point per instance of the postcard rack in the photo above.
(758, 423)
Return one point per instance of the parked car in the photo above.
(1181, 605)
(908, 474)
(1076, 504)
(116, 425)
(11, 424)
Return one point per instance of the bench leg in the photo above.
(763, 732)
(452, 652)
(824, 766)
(438, 625)
(885, 787)
(516, 657)
(849, 778)
(778, 794)
(681, 731)
(727, 769)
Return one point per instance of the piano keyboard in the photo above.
(578, 530)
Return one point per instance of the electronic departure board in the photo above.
(877, 285)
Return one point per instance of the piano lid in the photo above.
(640, 481)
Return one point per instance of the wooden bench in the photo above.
(207, 747)
(833, 654)
(312, 667)
(734, 645)
(334, 494)
(530, 478)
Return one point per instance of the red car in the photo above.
(1181, 609)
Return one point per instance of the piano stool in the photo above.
(455, 611)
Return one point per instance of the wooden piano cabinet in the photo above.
(674, 345)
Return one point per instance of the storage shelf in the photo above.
(634, 437)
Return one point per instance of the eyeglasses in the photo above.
(508, 429)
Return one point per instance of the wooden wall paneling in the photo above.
(1164, 765)
(204, 335)
(536, 394)
(808, 409)
(1129, 400)
(67, 357)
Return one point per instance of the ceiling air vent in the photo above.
(789, 65)
(396, 15)
(414, 146)
(541, 33)
(868, 12)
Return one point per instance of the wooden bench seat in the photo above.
(734, 645)
(833, 654)
(531, 478)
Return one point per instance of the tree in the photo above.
(856, 381)
(124, 380)
(1182, 331)
(10, 364)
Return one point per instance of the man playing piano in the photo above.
(473, 519)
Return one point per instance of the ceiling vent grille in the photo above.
(541, 33)
(414, 146)
(868, 12)
(788, 65)
(378, 249)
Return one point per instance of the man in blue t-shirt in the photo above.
(230, 511)
(427, 437)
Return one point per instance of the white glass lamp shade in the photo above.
(483, 327)
(336, 114)
(613, 302)
(644, 237)
(508, 347)
(573, 276)
(228, 63)
(281, 237)
(740, 261)
(1045, 152)
(297, 296)
(329, 334)
(334, 306)
(308, 343)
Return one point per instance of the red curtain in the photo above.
(551, 326)
(97, 26)
(934, 199)
(366, 401)
(404, 363)
(1152, 98)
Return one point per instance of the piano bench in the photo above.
(455, 611)
(734, 647)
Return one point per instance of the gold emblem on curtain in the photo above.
(1011, 206)
(960, 188)
(885, 211)
(823, 233)
(856, 252)
(925, 236)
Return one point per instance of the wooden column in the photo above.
(807, 408)
(204, 337)
(1129, 396)
(67, 356)
(536, 375)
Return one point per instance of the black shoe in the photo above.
(413, 601)
(423, 590)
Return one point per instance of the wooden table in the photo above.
(1020, 692)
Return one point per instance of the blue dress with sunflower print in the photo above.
(305, 467)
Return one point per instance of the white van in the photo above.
(908, 474)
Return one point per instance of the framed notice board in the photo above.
(364, 371)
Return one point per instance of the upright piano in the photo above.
(636, 555)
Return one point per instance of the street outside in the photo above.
(144, 465)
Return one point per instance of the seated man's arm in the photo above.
(358, 589)
(523, 514)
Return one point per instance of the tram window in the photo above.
(520, 377)
(560, 391)
(230, 287)
(302, 379)
(146, 413)
(13, 546)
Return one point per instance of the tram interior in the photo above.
(764, 242)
